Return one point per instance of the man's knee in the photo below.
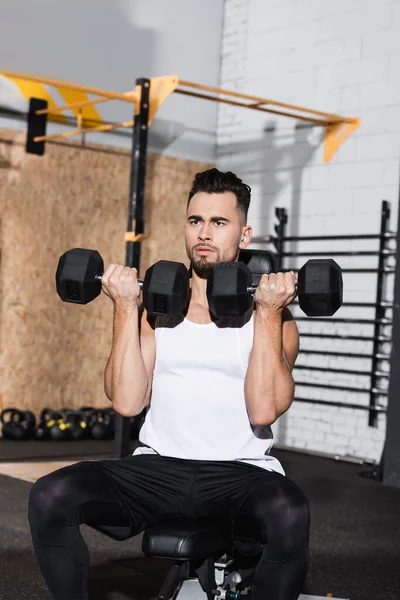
(292, 522)
(285, 515)
(49, 498)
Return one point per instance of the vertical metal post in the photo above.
(281, 214)
(391, 454)
(379, 310)
(135, 223)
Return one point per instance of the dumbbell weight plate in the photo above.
(77, 274)
(227, 289)
(166, 288)
(320, 288)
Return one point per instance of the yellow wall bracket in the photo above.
(336, 134)
(160, 89)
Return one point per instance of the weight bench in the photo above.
(208, 564)
(213, 558)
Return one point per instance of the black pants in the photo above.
(122, 497)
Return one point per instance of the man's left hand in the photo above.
(275, 291)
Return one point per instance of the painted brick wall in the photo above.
(338, 56)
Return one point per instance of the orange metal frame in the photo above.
(337, 128)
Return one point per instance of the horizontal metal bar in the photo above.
(82, 103)
(271, 239)
(254, 107)
(342, 253)
(262, 101)
(369, 304)
(64, 134)
(377, 408)
(346, 354)
(343, 388)
(338, 336)
(360, 304)
(386, 270)
(355, 321)
(68, 85)
(380, 374)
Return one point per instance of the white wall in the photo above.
(108, 44)
(340, 56)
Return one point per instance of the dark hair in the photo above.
(214, 181)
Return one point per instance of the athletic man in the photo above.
(213, 388)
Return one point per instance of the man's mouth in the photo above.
(203, 250)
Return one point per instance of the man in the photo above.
(213, 387)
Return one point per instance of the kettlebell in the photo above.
(42, 431)
(78, 424)
(58, 425)
(20, 424)
(102, 426)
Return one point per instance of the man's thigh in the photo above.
(275, 512)
(223, 486)
(150, 486)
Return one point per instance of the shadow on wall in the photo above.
(102, 48)
(86, 42)
(275, 166)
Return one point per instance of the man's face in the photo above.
(215, 230)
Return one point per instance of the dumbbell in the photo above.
(165, 287)
(320, 288)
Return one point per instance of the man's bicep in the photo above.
(148, 347)
(290, 338)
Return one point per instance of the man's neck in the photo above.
(198, 290)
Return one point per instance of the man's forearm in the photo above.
(269, 385)
(125, 379)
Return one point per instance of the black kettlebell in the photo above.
(42, 431)
(102, 426)
(20, 425)
(78, 427)
(58, 425)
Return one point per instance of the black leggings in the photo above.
(122, 497)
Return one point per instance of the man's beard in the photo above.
(203, 265)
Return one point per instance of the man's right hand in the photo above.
(121, 285)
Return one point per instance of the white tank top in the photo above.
(197, 409)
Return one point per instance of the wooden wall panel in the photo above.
(54, 353)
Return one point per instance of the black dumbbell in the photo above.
(165, 287)
(320, 288)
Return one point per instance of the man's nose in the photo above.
(205, 232)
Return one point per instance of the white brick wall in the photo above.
(337, 56)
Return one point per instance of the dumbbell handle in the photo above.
(99, 277)
(252, 288)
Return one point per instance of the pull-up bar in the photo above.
(337, 128)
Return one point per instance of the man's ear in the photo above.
(247, 233)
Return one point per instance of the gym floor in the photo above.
(354, 545)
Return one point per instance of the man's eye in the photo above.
(219, 223)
